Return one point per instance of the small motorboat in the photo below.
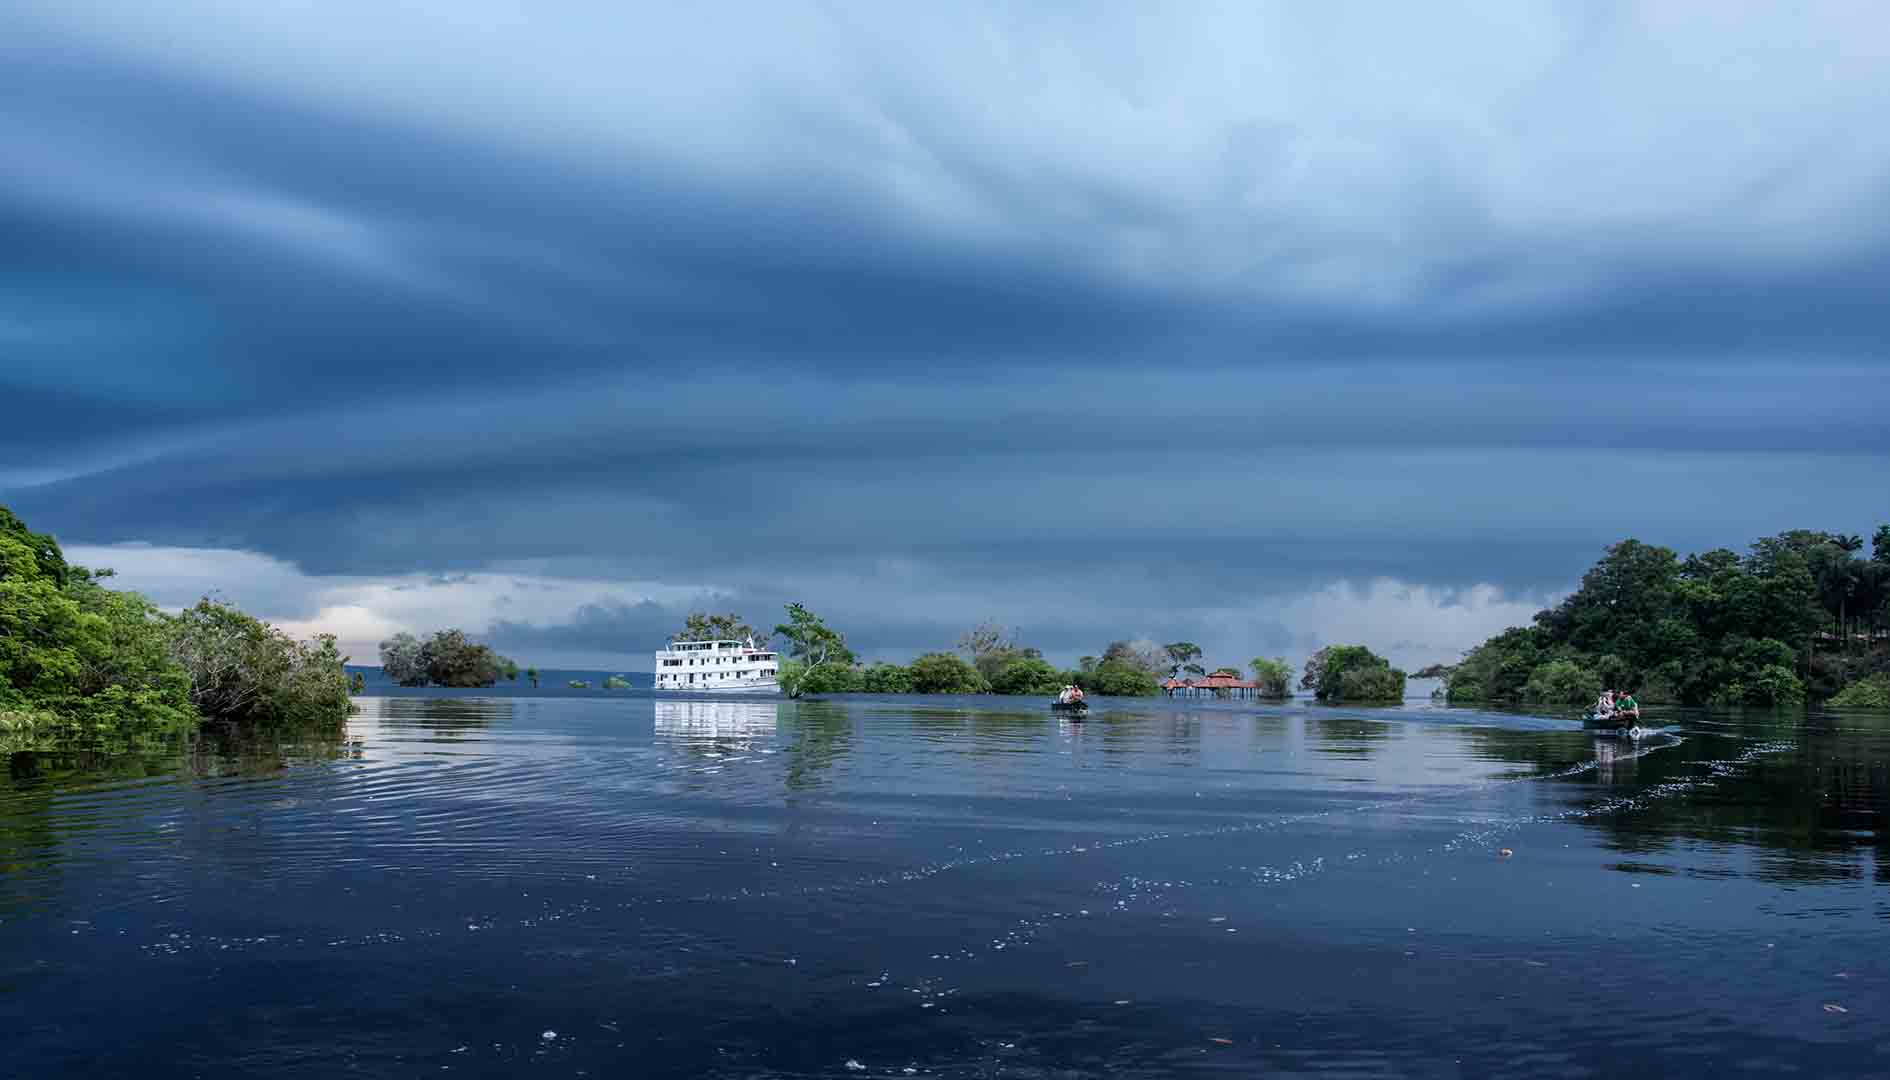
(1611, 726)
(1070, 708)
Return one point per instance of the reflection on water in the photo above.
(734, 723)
(1348, 736)
(1615, 759)
(959, 887)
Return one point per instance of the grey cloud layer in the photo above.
(1132, 300)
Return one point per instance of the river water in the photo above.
(582, 885)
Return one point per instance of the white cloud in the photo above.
(362, 611)
(1412, 625)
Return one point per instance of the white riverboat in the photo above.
(723, 667)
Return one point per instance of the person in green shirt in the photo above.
(1625, 705)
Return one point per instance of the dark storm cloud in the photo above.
(1014, 296)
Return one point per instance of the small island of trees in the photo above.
(448, 658)
(1800, 615)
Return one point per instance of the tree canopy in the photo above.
(700, 626)
(1351, 673)
(812, 645)
(1715, 627)
(945, 673)
(1183, 656)
(448, 658)
(86, 666)
(1273, 675)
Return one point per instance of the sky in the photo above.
(1264, 326)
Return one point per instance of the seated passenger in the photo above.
(1625, 705)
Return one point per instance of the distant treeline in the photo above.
(990, 659)
(1800, 614)
(84, 666)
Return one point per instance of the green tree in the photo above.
(1119, 679)
(1183, 656)
(83, 666)
(452, 659)
(991, 648)
(700, 626)
(944, 673)
(245, 671)
(834, 679)
(884, 678)
(403, 660)
(616, 682)
(1562, 682)
(1141, 654)
(532, 674)
(1273, 675)
(1714, 627)
(1868, 693)
(1352, 673)
(812, 644)
(1027, 676)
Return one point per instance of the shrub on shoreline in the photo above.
(83, 665)
(1870, 693)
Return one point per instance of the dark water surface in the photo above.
(629, 886)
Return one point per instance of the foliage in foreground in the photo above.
(244, 671)
(83, 665)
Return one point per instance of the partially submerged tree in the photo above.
(448, 658)
(944, 673)
(1142, 654)
(1273, 675)
(403, 661)
(1352, 673)
(812, 644)
(1027, 676)
(885, 678)
(86, 666)
(991, 649)
(243, 670)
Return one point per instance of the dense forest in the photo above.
(1801, 614)
(85, 666)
